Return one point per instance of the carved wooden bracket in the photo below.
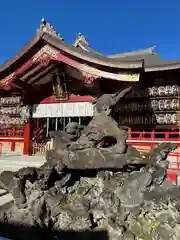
(89, 78)
(44, 61)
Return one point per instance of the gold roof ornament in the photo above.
(43, 20)
(80, 38)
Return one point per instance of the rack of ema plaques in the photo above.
(12, 122)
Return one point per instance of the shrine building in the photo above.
(49, 83)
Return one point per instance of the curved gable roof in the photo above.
(47, 34)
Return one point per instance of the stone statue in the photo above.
(93, 180)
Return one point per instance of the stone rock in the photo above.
(92, 180)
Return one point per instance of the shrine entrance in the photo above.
(55, 124)
(55, 117)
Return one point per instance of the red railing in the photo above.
(174, 163)
(173, 157)
(153, 135)
(11, 132)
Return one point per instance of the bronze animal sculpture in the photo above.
(93, 180)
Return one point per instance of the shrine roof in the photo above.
(46, 34)
(152, 59)
(135, 54)
(149, 55)
(26, 64)
(82, 43)
(162, 65)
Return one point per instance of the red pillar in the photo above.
(13, 146)
(27, 138)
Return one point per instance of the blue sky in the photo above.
(110, 26)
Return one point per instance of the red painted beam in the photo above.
(72, 98)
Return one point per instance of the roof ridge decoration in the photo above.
(80, 38)
(47, 27)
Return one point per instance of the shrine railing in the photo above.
(41, 148)
(153, 135)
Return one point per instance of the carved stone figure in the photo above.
(93, 180)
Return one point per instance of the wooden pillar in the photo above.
(27, 139)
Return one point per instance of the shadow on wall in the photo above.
(18, 232)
